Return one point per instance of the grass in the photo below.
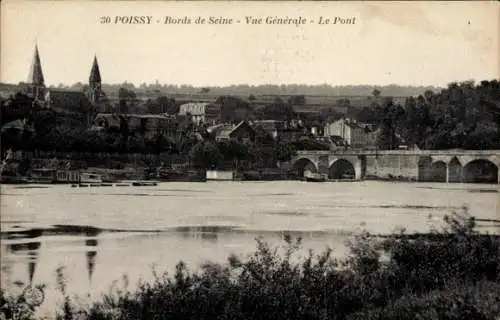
(453, 273)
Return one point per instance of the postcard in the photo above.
(249, 159)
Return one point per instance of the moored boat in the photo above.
(144, 183)
(14, 180)
(171, 175)
(315, 177)
(43, 175)
(90, 178)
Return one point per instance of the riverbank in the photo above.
(455, 275)
(198, 175)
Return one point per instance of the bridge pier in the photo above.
(323, 164)
(358, 170)
(447, 172)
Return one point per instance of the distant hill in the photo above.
(152, 90)
(7, 89)
(264, 90)
(317, 98)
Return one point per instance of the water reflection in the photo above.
(28, 250)
(91, 254)
(25, 245)
(390, 206)
(209, 233)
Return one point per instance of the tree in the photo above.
(329, 114)
(234, 109)
(485, 135)
(368, 115)
(307, 143)
(168, 105)
(284, 151)
(391, 121)
(186, 126)
(204, 155)
(278, 110)
(299, 100)
(233, 150)
(127, 99)
(136, 144)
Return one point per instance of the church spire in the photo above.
(36, 82)
(95, 91)
(95, 74)
(36, 75)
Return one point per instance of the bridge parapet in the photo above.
(453, 152)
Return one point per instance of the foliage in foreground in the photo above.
(450, 274)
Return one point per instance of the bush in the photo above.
(15, 308)
(450, 274)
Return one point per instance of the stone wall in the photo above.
(392, 166)
(411, 165)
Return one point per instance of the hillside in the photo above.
(264, 90)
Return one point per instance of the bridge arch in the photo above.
(466, 160)
(424, 164)
(341, 169)
(303, 165)
(438, 171)
(431, 170)
(481, 170)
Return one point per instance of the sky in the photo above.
(406, 43)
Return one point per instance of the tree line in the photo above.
(267, 89)
(464, 115)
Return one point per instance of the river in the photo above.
(136, 228)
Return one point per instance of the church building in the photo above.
(85, 105)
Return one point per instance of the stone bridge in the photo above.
(414, 165)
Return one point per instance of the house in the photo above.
(354, 134)
(147, 124)
(220, 132)
(20, 125)
(242, 132)
(273, 128)
(70, 102)
(282, 130)
(201, 112)
(337, 141)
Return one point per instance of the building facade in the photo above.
(147, 125)
(242, 132)
(353, 134)
(280, 130)
(201, 112)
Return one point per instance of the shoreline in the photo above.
(381, 179)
